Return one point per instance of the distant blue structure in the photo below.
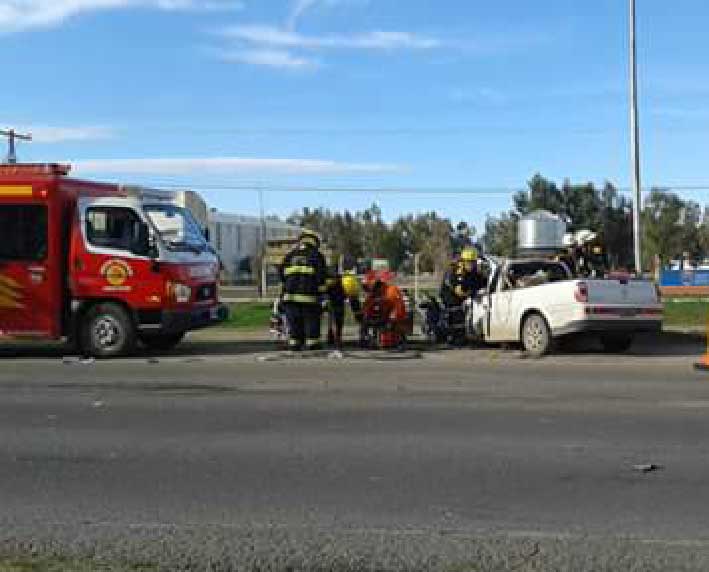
(687, 277)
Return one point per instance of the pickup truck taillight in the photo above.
(581, 292)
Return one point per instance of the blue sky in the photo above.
(435, 94)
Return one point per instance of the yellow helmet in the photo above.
(351, 286)
(469, 254)
(311, 237)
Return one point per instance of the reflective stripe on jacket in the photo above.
(303, 275)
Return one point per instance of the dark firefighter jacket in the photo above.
(337, 297)
(457, 286)
(303, 275)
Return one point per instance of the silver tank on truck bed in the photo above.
(540, 232)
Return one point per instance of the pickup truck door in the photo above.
(500, 310)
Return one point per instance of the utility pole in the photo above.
(635, 145)
(12, 135)
(264, 238)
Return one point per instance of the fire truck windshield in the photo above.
(177, 227)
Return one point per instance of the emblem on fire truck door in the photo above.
(116, 272)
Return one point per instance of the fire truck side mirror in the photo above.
(206, 233)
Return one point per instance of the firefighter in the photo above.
(568, 254)
(303, 274)
(341, 289)
(385, 311)
(463, 279)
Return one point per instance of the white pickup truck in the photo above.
(536, 302)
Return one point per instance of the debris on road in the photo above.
(647, 467)
(98, 404)
(73, 360)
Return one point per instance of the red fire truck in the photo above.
(103, 265)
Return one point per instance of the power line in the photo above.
(480, 191)
(433, 191)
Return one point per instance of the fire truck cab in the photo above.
(102, 265)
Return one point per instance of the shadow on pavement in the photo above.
(56, 350)
(665, 344)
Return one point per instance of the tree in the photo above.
(663, 227)
(617, 227)
(672, 227)
(500, 236)
(582, 206)
(464, 235)
(543, 194)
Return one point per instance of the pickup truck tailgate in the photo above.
(637, 293)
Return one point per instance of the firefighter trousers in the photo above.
(304, 324)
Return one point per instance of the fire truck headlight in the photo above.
(180, 293)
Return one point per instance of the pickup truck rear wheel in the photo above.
(161, 342)
(107, 331)
(536, 335)
(616, 343)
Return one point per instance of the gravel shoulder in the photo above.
(225, 549)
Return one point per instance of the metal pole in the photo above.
(416, 277)
(635, 145)
(264, 238)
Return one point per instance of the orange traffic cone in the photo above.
(703, 363)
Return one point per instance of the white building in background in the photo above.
(238, 241)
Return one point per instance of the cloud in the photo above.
(282, 59)
(299, 8)
(20, 15)
(374, 40)
(230, 166)
(54, 134)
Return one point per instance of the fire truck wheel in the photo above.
(107, 331)
(161, 342)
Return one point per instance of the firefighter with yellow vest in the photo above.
(303, 275)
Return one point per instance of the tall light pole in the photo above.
(635, 145)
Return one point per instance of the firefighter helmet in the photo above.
(311, 237)
(469, 254)
(351, 286)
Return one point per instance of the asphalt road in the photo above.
(245, 455)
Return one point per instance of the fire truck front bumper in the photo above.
(177, 321)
